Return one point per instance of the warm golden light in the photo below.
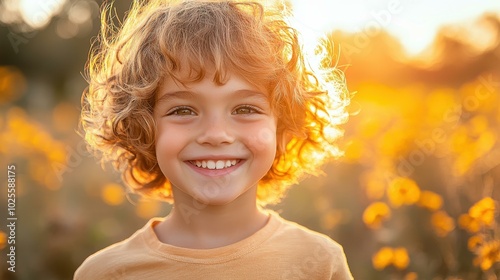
(37, 13)
(402, 19)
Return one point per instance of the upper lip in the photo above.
(215, 157)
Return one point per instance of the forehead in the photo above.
(187, 78)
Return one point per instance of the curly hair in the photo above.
(159, 37)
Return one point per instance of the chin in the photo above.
(223, 198)
(220, 200)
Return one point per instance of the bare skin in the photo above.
(214, 143)
(212, 226)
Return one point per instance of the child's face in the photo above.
(214, 142)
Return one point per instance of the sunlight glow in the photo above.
(37, 13)
(414, 23)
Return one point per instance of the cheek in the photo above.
(262, 139)
(168, 142)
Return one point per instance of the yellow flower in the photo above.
(375, 214)
(113, 194)
(146, 209)
(488, 254)
(468, 223)
(382, 258)
(484, 211)
(430, 200)
(12, 84)
(475, 242)
(403, 191)
(375, 189)
(411, 276)
(471, 142)
(3, 239)
(442, 223)
(374, 181)
(398, 257)
(481, 214)
(485, 142)
(478, 125)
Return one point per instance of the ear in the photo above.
(283, 138)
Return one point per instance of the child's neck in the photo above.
(198, 226)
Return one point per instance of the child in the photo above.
(210, 106)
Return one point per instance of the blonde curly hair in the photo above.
(158, 37)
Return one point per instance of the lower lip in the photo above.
(214, 172)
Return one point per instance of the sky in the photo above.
(414, 22)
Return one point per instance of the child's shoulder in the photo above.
(298, 237)
(309, 251)
(292, 230)
(109, 262)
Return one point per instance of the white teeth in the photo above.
(212, 164)
(219, 164)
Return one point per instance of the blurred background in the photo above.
(416, 195)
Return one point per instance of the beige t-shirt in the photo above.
(280, 250)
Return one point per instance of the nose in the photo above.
(215, 131)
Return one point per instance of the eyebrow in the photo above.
(179, 94)
(251, 93)
(186, 94)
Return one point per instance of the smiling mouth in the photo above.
(215, 164)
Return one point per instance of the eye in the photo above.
(245, 110)
(181, 111)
